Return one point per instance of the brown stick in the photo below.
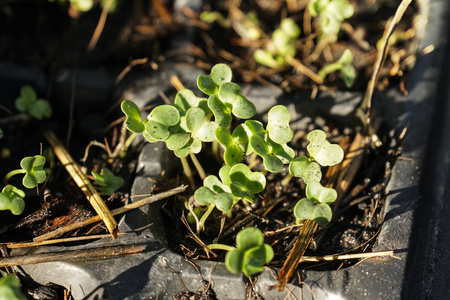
(114, 212)
(367, 102)
(101, 24)
(303, 69)
(73, 255)
(300, 246)
(83, 183)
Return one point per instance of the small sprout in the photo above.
(316, 205)
(159, 121)
(251, 253)
(307, 209)
(233, 153)
(215, 16)
(244, 183)
(186, 99)
(34, 170)
(133, 121)
(282, 45)
(322, 151)
(305, 168)
(214, 192)
(198, 126)
(11, 198)
(1, 133)
(331, 13)
(230, 94)
(107, 181)
(209, 84)
(30, 104)
(278, 125)
(344, 65)
(10, 288)
(316, 192)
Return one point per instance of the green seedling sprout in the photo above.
(33, 168)
(344, 65)
(250, 254)
(282, 45)
(235, 183)
(11, 198)
(316, 205)
(30, 104)
(10, 288)
(1, 133)
(331, 14)
(108, 182)
(321, 152)
(215, 16)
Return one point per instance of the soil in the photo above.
(41, 34)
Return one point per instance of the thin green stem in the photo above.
(285, 181)
(220, 247)
(187, 171)
(198, 166)
(201, 223)
(11, 174)
(127, 144)
(329, 69)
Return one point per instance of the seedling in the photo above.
(235, 183)
(318, 198)
(316, 205)
(282, 45)
(344, 65)
(11, 198)
(33, 168)
(30, 104)
(186, 124)
(10, 288)
(1, 133)
(215, 16)
(245, 25)
(331, 13)
(250, 255)
(108, 182)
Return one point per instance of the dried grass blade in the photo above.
(83, 183)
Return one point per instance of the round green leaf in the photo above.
(109, 182)
(233, 153)
(186, 99)
(290, 28)
(224, 174)
(255, 259)
(243, 108)
(193, 146)
(315, 7)
(157, 130)
(11, 198)
(304, 168)
(319, 212)
(10, 288)
(322, 151)
(133, 121)
(267, 59)
(222, 113)
(166, 114)
(204, 195)
(347, 69)
(270, 161)
(278, 124)
(234, 261)
(34, 168)
(249, 237)
(27, 98)
(223, 201)
(209, 84)
(254, 181)
(40, 109)
(316, 192)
